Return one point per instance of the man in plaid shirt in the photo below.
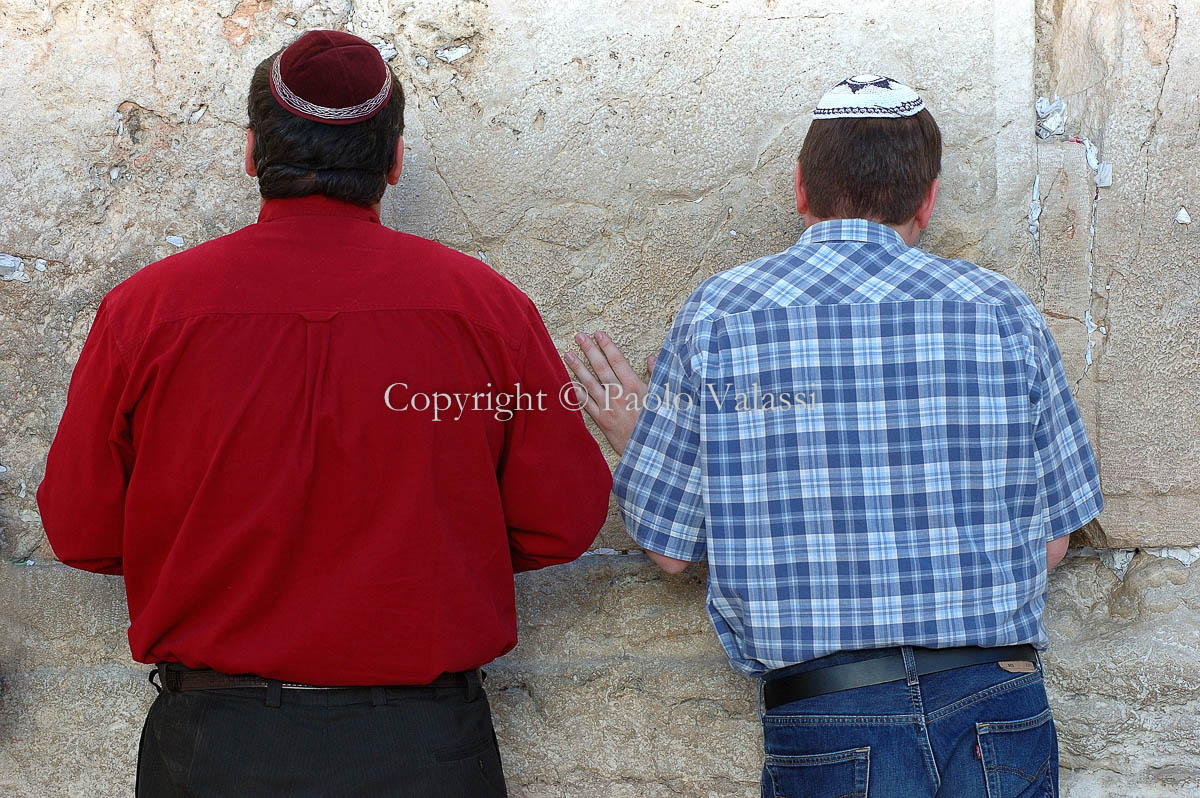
(878, 455)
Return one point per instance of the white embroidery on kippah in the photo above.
(865, 96)
(298, 103)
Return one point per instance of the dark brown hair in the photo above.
(871, 168)
(295, 156)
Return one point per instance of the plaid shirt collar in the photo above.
(862, 230)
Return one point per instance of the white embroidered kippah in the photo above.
(868, 96)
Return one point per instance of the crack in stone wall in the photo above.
(1114, 64)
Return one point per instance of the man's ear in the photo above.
(926, 209)
(801, 194)
(393, 176)
(249, 164)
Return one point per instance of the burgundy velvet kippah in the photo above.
(332, 77)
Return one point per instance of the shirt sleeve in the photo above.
(657, 483)
(82, 495)
(554, 480)
(1066, 464)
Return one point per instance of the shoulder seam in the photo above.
(496, 330)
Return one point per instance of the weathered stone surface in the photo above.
(1123, 669)
(1061, 260)
(55, 616)
(1127, 72)
(619, 688)
(648, 727)
(71, 732)
(608, 158)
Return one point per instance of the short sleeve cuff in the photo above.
(667, 544)
(1075, 516)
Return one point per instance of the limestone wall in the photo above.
(607, 157)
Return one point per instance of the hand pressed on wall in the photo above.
(615, 391)
(615, 394)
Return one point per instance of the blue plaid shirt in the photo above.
(869, 444)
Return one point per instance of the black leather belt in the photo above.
(834, 678)
(176, 679)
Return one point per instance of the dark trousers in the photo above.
(423, 742)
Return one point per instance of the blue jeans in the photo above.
(973, 732)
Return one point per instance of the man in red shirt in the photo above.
(318, 449)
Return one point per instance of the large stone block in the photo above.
(618, 687)
(1126, 72)
(627, 727)
(1122, 670)
(607, 158)
(606, 606)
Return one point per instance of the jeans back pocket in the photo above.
(1020, 757)
(841, 774)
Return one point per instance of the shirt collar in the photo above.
(852, 230)
(314, 205)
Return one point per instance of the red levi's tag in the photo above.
(978, 752)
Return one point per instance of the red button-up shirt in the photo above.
(230, 444)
